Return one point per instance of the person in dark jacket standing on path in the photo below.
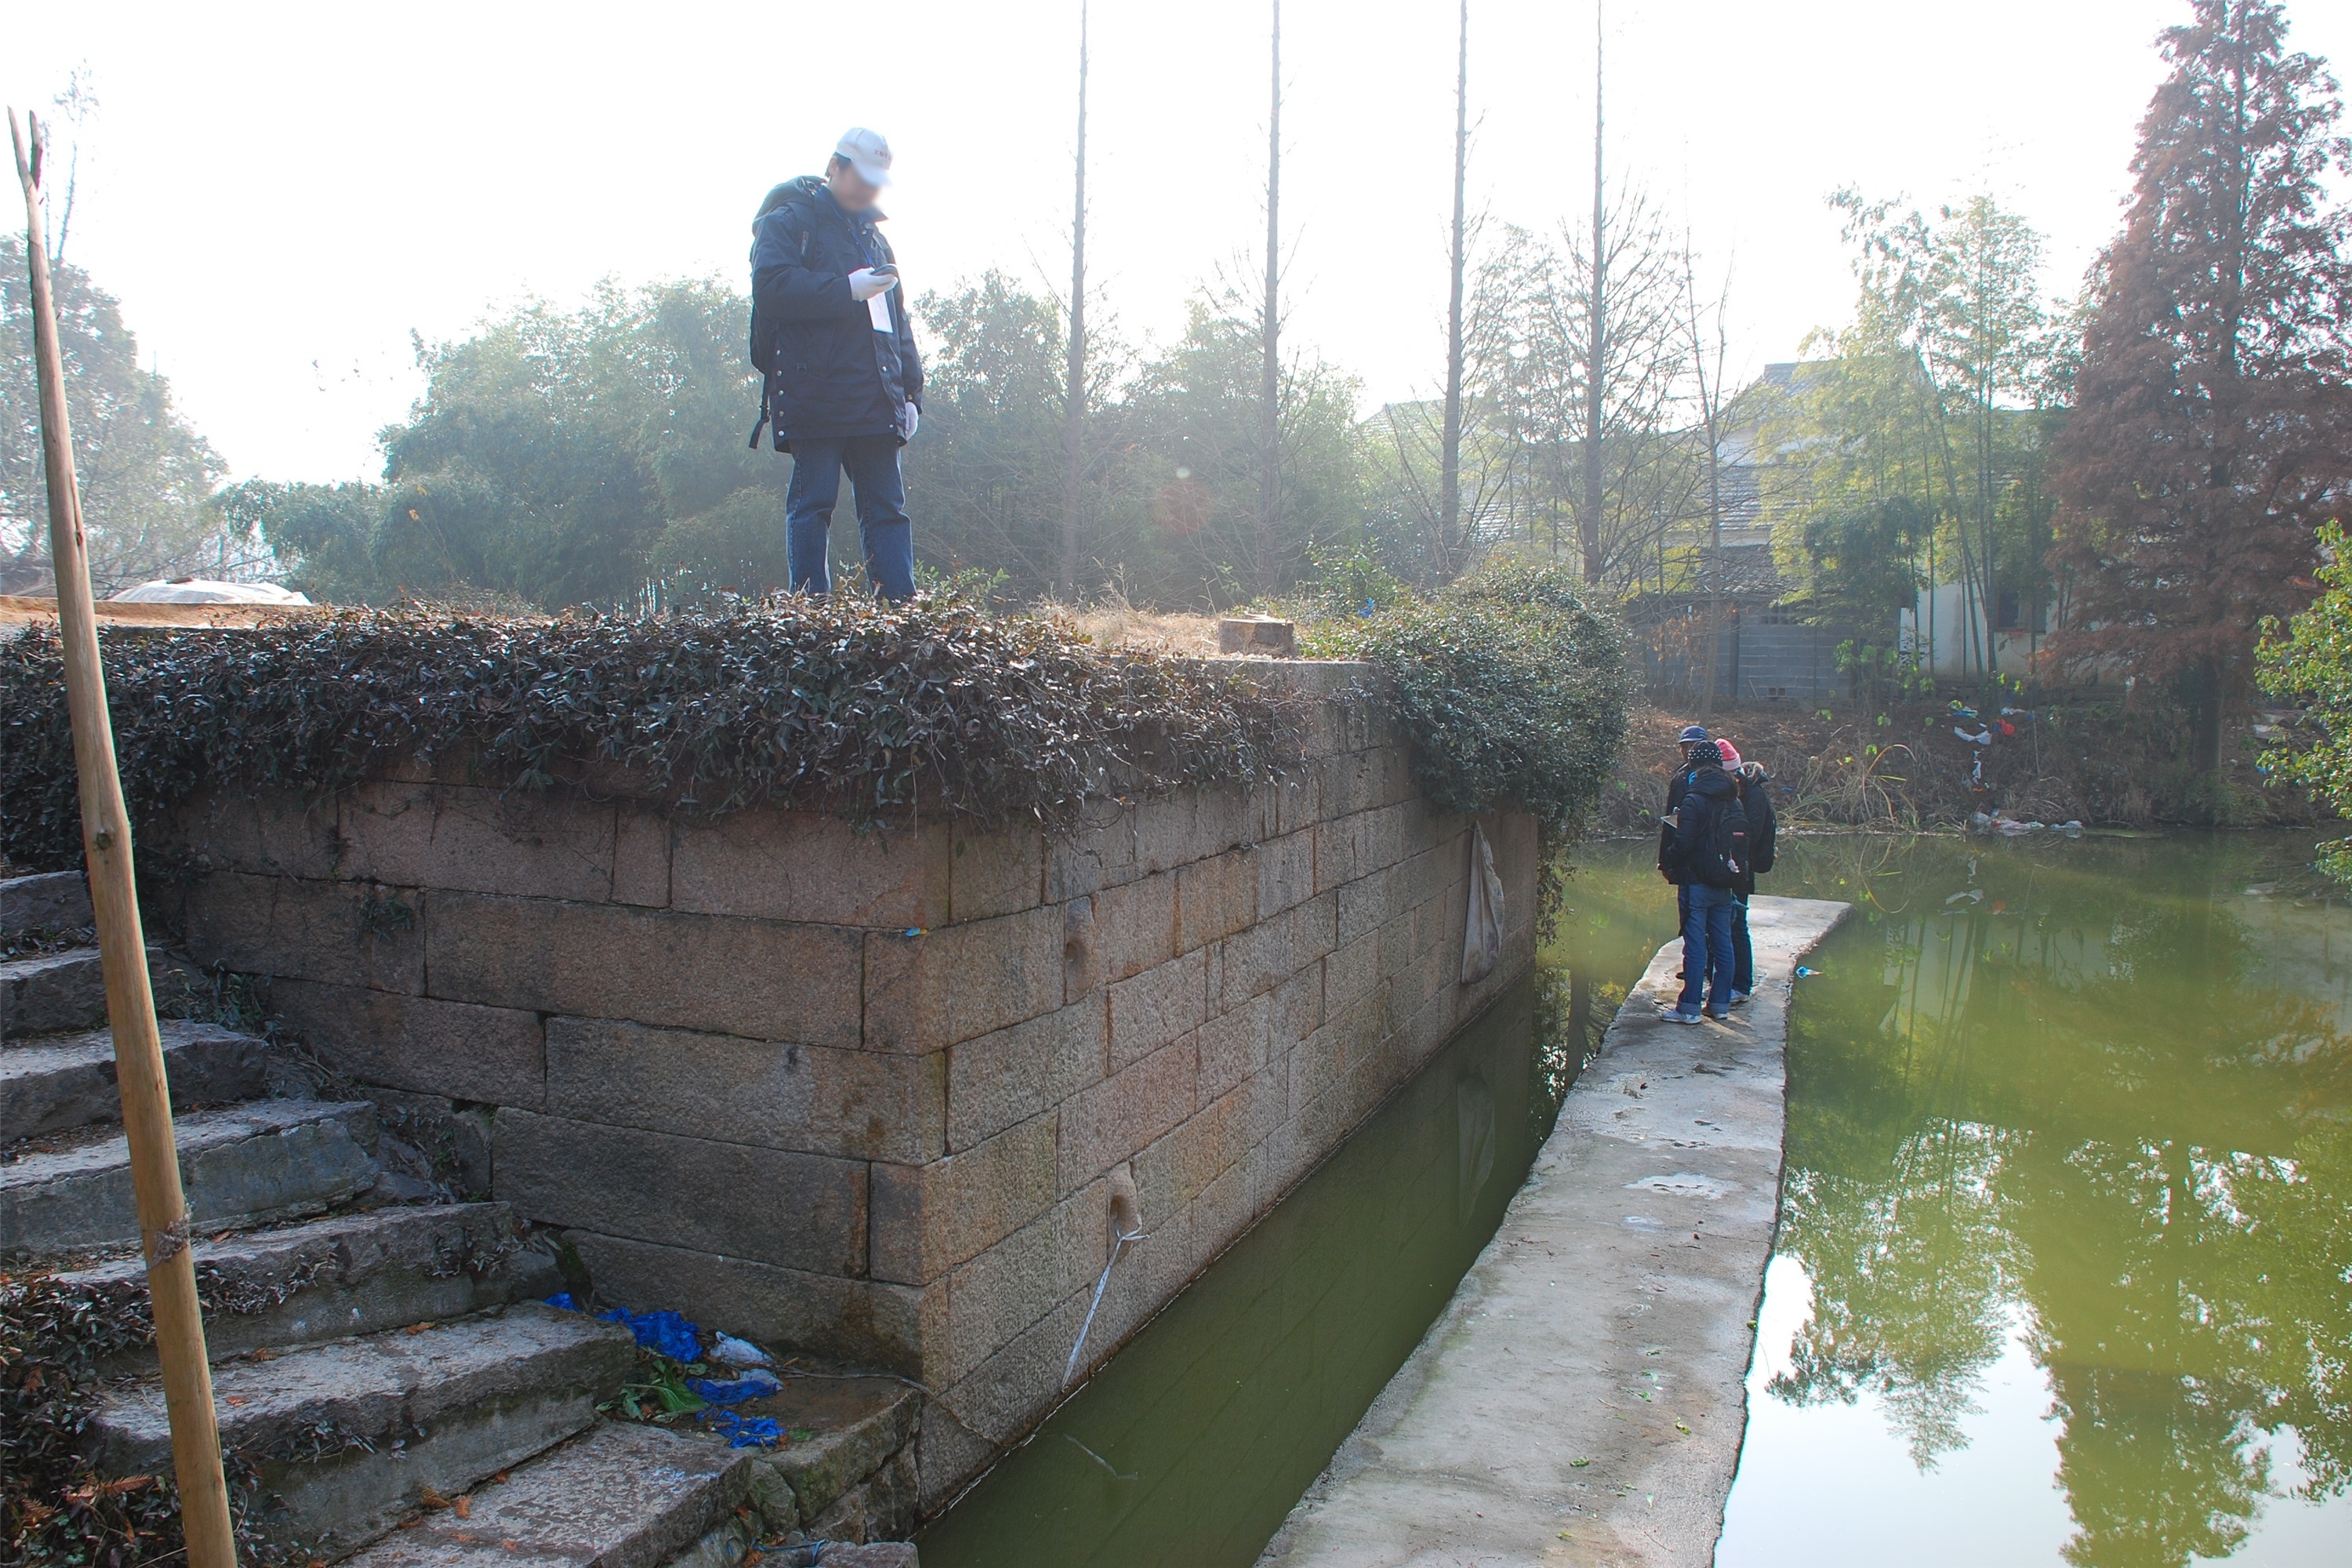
(1763, 832)
(842, 385)
(1706, 922)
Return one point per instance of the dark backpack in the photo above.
(765, 328)
(1725, 858)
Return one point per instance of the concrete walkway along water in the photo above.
(1581, 1400)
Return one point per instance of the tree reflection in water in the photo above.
(2099, 1094)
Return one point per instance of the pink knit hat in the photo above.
(1730, 753)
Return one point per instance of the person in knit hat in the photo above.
(1692, 864)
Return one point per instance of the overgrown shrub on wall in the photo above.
(1510, 687)
(842, 704)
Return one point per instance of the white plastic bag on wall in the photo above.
(1482, 939)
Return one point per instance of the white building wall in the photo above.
(1945, 611)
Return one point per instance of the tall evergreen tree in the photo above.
(2212, 430)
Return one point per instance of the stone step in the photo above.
(852, 1474)
(350, 1435)
(64, 993)
(53, 1085)
(241, 1166)
(46, 900)
(618, 1496)
(350, 1274)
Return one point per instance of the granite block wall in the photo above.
(867, 1094)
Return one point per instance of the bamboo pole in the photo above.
(123, 946)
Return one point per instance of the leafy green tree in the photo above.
(557, 457)
(145, 475)
(990, 478)
(322, 531)
(1938, 397)
(1194, 409)
(2309, 660)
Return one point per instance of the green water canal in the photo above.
(2064, 1268)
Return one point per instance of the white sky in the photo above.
(280, 195)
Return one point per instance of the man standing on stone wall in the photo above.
(841, 382)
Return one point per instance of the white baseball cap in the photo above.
(868, 153)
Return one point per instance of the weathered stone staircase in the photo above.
(383, 1363)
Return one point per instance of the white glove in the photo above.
(910, 424)
(865, 283)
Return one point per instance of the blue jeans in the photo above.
(882, 523)
(1707, 949)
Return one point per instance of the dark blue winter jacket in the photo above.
(826, 371)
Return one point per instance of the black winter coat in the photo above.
(826, 371)
(1763, 830)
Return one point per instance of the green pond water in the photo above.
(1191, 1444)
(2064, 1270)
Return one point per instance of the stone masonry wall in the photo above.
(867, 1095)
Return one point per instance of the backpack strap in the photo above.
(766, 383)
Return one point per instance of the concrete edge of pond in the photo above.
(1581, 1398)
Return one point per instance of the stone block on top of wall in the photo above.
(1003, 1078)
(750, 978)
(820, 1099)
(275, 835)
(936, 989)
(641, 858)
(929, 1218)
(801, 1211)
(999, 872)
(477, 840)
(869, 1322)
(1117, 1118)
(775, 865)
(352, 933)
(1157, 1007)
(494, 1055)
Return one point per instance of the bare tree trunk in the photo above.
(1269, 477)
(1449, 474)
(1073, 402)
(1710, 399)
(159, 1203)
(1588, 524)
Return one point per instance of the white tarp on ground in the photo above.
(205, 590)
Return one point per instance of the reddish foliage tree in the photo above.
(2212, 426)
